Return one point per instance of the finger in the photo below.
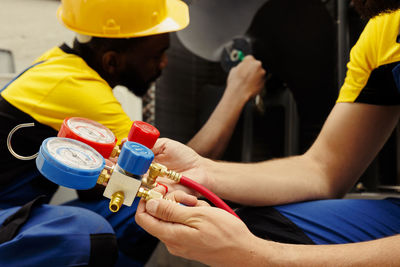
(163, 189)
(159, 146)
(248, 57)
(151, 224)
(173, 186)
(168, 211)
(183, 198)
(163, 186)
(202, 203)
(141, 206)
(163, 226)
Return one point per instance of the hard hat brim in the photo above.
(177, 18)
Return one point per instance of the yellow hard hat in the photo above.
(123, 18)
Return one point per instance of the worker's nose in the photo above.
(164, 61)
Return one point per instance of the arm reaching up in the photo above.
(244, 82)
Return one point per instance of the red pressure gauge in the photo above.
(89, 132)
(143, 133)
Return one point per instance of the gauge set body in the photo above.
(76, 158)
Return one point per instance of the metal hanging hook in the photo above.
(23, 125)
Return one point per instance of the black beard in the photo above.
(136, 85)
(371, 8)
(139, 91)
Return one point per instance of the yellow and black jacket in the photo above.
(372, 74)
(59, 84)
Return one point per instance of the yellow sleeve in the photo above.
(64, 86)
(79, 98)
(363, 59)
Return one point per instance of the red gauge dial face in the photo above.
(91, 130)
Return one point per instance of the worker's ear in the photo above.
(110, 62)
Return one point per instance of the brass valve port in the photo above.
(147, 194)
(105, 175)
(115, 152)
(149, 183)
(117, 199)
(157, 169)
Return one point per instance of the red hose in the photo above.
(207, 194)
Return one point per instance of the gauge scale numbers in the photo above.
(91, 130)
(74, 154)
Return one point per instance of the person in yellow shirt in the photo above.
(118, 42)
(293, 215)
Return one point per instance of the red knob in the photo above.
(89, 132)
(143, 133)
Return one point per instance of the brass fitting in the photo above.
(157, 169)
(147, 194)
(115, 152)
(104, 177)
(117, 199)
(149, 183)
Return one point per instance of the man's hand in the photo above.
(244, 82)
(246, 79)
(195, 231)
(180, 158)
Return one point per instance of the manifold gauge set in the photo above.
(85, 153)
(76, 159)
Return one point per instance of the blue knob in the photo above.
(135, 158)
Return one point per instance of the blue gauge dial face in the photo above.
(91, 130)
(74, 154)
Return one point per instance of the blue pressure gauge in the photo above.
(70, 163)
(135, 158)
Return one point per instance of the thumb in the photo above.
(167, 211)
(159, 146)
(162, 218)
